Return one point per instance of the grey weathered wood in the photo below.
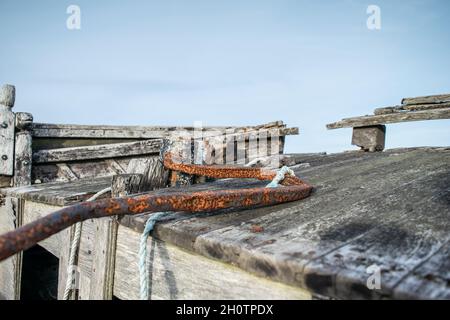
(391, 118)
(64, 253)
(23, 121)
(414, 107)
(98, 152)
(427, 99)
(7, 119)
(369, 138)
(356, 184)
(7, 95)
(137, 132)
(10, 269)
(22, 159)
(178, 274)
(154, 175)
(60, 194)
(67, 171)
(390, 208)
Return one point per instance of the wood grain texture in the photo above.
(364, 121)
(359, 198)
(7, 95)
(98, 151)
(7, 119)
(414, 107)
(10, 269)
(441, 98)
(44, 130)
(22, 159)
(178, 274)
(388, 208)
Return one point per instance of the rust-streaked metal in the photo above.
(293, 189)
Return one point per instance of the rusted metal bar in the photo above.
(293, 189)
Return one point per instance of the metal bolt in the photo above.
(4, 125)
(4, 157)
(26, 162)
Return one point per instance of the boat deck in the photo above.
(389, 210)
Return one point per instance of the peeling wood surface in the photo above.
(435, 114)
(389, 208)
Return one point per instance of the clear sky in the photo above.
(228, 62)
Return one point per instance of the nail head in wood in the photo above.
(7, 95)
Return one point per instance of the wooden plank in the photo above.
(414, 107)
(66, 236)
(59, 194)
(59, 172)
(178, 274)
(429, 280)
(10, 269)
(97, 152)
(7, 120)
(393, 243)
(43, 130)
(391, 118)
(35, 210)
(427, 99)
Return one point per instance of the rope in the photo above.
(71, 268)
(280, 176)
(143, 271)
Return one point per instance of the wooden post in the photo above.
(369, 138)
(23, 151)
(7, 98)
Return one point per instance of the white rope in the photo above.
(280, 176)
(71, 268)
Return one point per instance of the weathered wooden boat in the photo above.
(372, 214)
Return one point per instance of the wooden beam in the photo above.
(391, 118)
(47, 130)
(427, 99)
(98, 152)
(414, 107)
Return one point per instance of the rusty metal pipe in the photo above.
(30, 234)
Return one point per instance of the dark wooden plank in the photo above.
(98, 151)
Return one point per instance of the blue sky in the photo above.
(229, 63)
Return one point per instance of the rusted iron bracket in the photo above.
(292, 189)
